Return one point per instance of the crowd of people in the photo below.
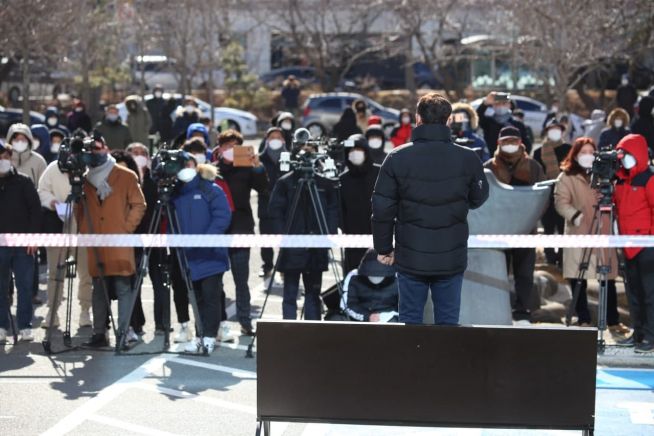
(213, 196)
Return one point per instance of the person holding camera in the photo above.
(202, 208)
(357, 184)
(576, 202)
(494, 114)
(634, 203)
(464, 124)
(116, 205)
(241, 178)
(22, 214)
(422, 197)
(309, 263)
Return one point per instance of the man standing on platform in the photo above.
(422, 196)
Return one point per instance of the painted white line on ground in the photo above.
(235, 372)
(104, 397)
(639, 412)
(134, 428)
(187, 395)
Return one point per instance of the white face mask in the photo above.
(617, 123)
(187, 174)
(190, 108)
(510, 149)
(5, 166)
(158, 94)
(52, 121)
(275, 144)
(286, 125)
(54, 147)
(357, 157)
(228, 155)
(375, 280)
(585, 160)
(628, 161)
(406, 120)
(554, 134)
(19, 146)
(200, 158)
(375, 143)
(141, 161)
(555, 109)
(79, 109)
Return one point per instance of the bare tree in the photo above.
(31, 35)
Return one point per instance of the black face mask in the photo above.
(95, 159)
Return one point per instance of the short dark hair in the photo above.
(433, 108)
(230, 135)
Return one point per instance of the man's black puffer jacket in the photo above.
(423, 194)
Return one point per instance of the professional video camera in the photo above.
(323, 160)
(603, 172)
(74, 157)
(165, 166)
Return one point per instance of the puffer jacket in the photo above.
(634, 193)
(644, 123)
(364, 297)
(139, 121)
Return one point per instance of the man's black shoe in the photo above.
(645, 347)
(247, 330)
(97, 341)
(521, 315)
(627, 342)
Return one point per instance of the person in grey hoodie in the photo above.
(594, 126)
(24, 159)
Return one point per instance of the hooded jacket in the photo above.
(202, 208)
(50, 113)
(41, 132)
(138, 121)
(644, 123)
(471, 139)
(634, 193)
(377, 155)
(401, 134)
(184, 119)
(594, 126)
(198, 128)
(28, 162)
(79, 120)
(611, 135)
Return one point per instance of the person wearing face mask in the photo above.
(138, 119)
(23, 158)
(275, 144)
(112, 129)
(512, 165)
(593, 127)
(241, 181)
(199, 131)
(550, 156)
(361, 110)
(52, 120)
(376, 142)
(464, 124)
(41, 143)
(202, 208)
(617, 127)
(156, 107)
(634, 203)
(495, 113)
(357, 184)
(401, 134)
(371, 291)
(115, 206)
(308, 263)
(22, 214)
(575, 201)
(185, 116)
(79, 118)
(644, 122)
(291, 94)
(346, 125)
(626, 95)
(56, 138)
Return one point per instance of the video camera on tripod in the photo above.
(603, 172)
(165, 166)
(75, 155)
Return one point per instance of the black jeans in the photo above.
(207, 293)
(612, 316)
(239, 259)
(553, 223)
(266, 227)
(158, 263)
(523, 261)
(180, 293)
(640, 293)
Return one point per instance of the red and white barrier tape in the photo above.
(307, 241)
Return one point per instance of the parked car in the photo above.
(243, 121)
(274, 78)
(322, 111)
(9, 116)
(535, 111)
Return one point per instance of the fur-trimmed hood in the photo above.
(618, 112)
(208, 171)
(472, 114)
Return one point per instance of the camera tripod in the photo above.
(603, 210)
(306, 184)
(67, 268)
(163, 209)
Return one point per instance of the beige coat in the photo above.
(573, 193)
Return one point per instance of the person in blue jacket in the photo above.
(52, 120)
(465, 122)
(202, 208)
(41, 143)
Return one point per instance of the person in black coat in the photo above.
(160, 110)
(494, 113)
(626, 96)
(617, 127)
(376, 143)
(306, 262)
(422, 197)
(79, 118)
(347, 125)
(372, 293)
(22, 214)
(274, 146)
(357, 183)
(644, 123)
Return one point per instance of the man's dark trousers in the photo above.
(445, 295)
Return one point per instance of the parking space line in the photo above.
(134, 428)
(187, 395)
(235, 372)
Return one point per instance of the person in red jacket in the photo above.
(401, 134)
(634, 201)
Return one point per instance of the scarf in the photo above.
(274, 154)
(548, 156)
(513, 167)
(98, 177)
